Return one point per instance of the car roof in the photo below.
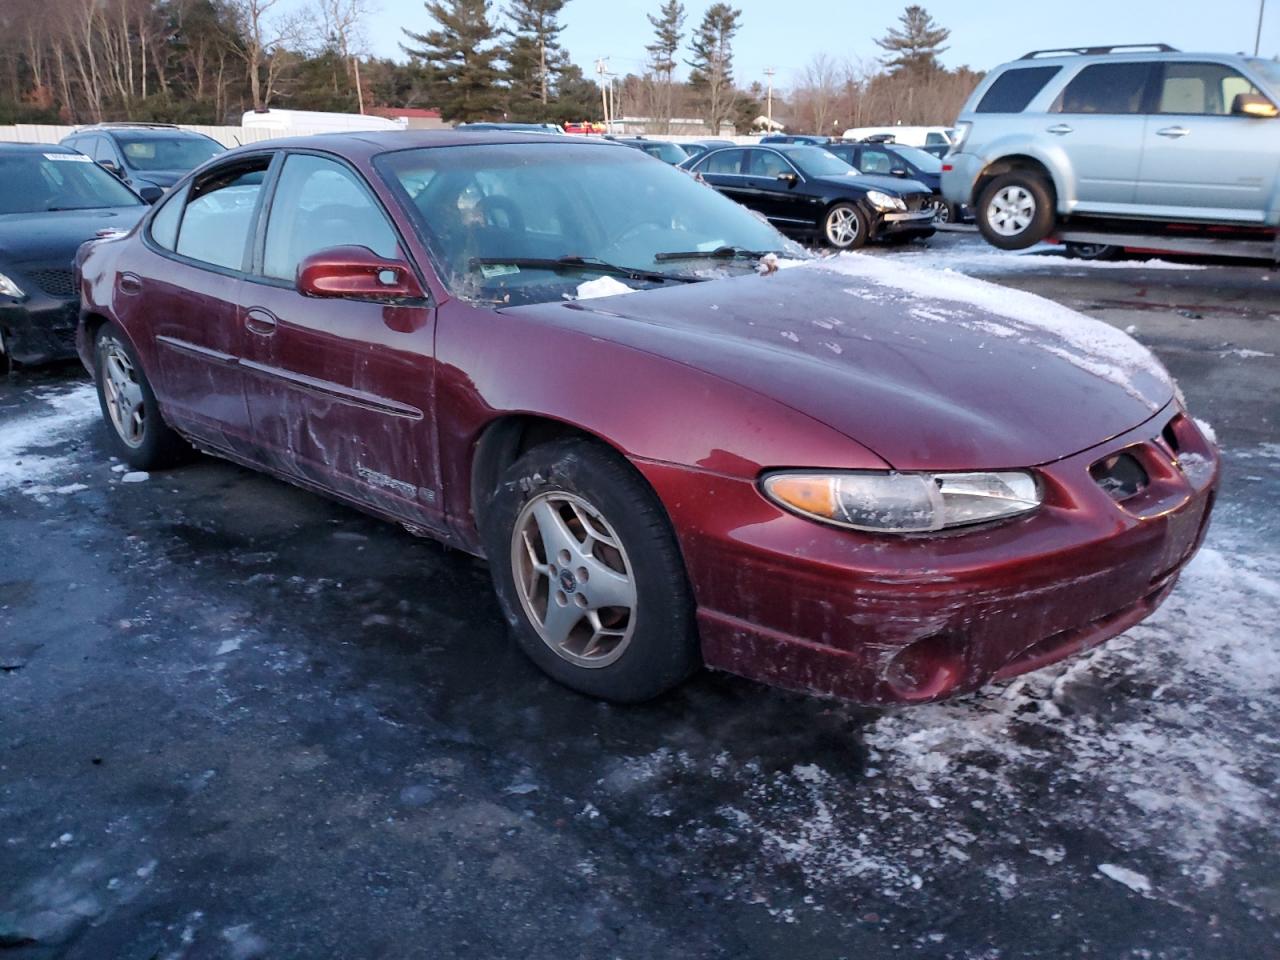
(1120, 55)
(143, 133)
(370, 143)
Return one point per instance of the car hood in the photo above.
(894, 186)
(930, 369)
(56, 235)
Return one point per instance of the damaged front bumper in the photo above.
(39, 328)
(909, 619)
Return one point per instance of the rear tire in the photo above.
(589, 574)
(1016, 210)
(947, 213)
(844, 227)
(1093, 251)
(137, 433)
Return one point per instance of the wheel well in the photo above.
(1009, 165)
(90, 323)
(503, 442)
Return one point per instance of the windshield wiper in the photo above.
(719, 253)
(581, 264)
(99, 206)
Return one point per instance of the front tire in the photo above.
(844, 227)
(588, 573)
(137, 433)
(1016, 210)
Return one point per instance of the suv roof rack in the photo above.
(1098, 51)
(131, 123)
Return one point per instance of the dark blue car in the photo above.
(888, 159)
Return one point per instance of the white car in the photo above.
(908, 136)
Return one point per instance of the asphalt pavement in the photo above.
(240, 721)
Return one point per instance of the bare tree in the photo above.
(265, 35)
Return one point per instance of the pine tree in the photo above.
(668, 28)
(712, 64)
(461, 59)
(535, 61)
(914, 47)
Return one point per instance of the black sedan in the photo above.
(52, 200)
(899, 160)
(806, 191)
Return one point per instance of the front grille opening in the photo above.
(55, 282)
(1120, 476)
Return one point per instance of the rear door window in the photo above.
(1011, 92)
(1204, 89)
(723, 161)
(1107, 88)
(219, 216)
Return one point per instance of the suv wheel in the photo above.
(1015, 210)
(589, 574)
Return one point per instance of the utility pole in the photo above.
(1257, 37)
(355, 64)
(769, 72)
(604, 91)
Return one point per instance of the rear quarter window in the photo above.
(1014, 89)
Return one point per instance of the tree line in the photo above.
(207, 61)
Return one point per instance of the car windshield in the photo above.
(1270, 71)
(670, 152)
(924, 162)
(36, 182)
(497, 218)
(817, 162)
(167, 153)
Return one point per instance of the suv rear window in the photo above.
(1107, 88)
(1014, 89)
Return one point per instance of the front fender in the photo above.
(648, 407)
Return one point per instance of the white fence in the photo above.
(235, 136)
(227, 136)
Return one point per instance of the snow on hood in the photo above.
(1091, 345)
(605, 286)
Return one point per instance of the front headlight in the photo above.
(884, 502)
(10, 289)
(884, 202)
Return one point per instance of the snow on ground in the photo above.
(948, 296)
(54, 417)
(1141, 749)
(1044, 256)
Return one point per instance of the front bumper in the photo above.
(880, 619)
(915, 222)
(39, 328)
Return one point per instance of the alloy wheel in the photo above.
(1011, 210)
(842, 226)
(574, 579)
(123, 393)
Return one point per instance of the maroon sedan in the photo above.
(843, 477)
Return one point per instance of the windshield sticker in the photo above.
(68, 157)
(491, 270)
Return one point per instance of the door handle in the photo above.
(260, 321)
(1173, 132)
(130, 283)
(1061, 129)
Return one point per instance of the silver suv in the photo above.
(1136, 133)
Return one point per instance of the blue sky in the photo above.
(786, 34)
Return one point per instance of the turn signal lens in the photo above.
(904, 502)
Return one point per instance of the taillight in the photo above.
(947, 168)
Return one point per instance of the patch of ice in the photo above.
(1132, 879)
(1244, 353)
(1089, 344)
(55, 419)
(1042, 257)
(605, 286)
(229, 646)
(135, 476)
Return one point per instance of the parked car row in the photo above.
(578, 363)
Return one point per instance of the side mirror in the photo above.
(1253, 105)
(356, 273)
(150, 193)
(110, 166)
(790, 179)
(898, 172)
